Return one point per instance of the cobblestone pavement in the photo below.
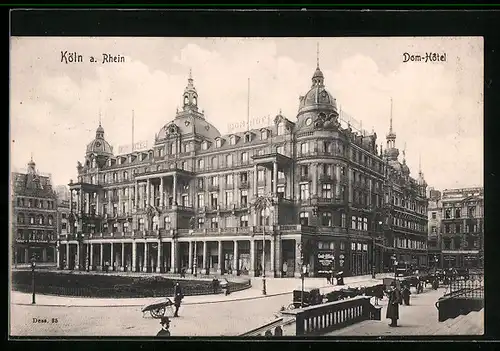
(420, 318)
(230, 318)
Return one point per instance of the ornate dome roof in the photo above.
(317, 97)
(404, 168)
(99, 145)
(392, 153)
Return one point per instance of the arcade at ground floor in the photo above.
(22, 254)
(282, 256)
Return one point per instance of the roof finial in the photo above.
(317, 55)
(419, 163)
(31, 156)
(100, 117)
(404, 152)
(390, 123)
(190, 73)
(280, 112)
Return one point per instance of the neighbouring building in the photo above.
(405, 211)
(434, 213)
(62, 192)
(188, 201)
(462, 224)
(34, 216)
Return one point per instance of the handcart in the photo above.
(158, 309)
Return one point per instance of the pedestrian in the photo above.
(393, 305)
(406, 295)
(215, 285)
(183, 272)
(165, 324)
(435, 283)
(178, 296)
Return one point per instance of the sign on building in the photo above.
(128, 148)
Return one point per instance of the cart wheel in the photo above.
(157, 313)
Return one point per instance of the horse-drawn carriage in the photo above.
(305, 298)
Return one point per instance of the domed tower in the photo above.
(317, 105)
(32, 179)
(391, 152)
(98, 151)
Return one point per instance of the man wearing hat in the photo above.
(393, 305)
(165, 324)
(178, 295)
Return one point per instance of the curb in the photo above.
(186, 303)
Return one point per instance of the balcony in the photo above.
(244, 185)
(213, 187)
(326, 178)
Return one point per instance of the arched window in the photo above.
(125, 175)
(214, 162)
(93, 180)
(37, 203)
(30, 203)
(93, 163)
(218, 142)
(51, 220)
(263, 134)
(115, 177)
(32, 219)
(141, 223)
(201, 164)
(40, 219)
(166, 222)
(155, 223)
(20, 218)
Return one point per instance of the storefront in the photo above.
(460, 259)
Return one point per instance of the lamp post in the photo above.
(33, 265)
(302, 275)
(261, 205)
(395, 263)
(195, 259)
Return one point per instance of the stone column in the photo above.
(273, 266)
(220, 258)
(173, 257)
(161, 191)
(58, 257)
(175, 190)
(158, 257)
(77, 265)
(122, 261)
(91, 261)
(252, 258)
(101, 256)
(275, 178)
(134, 255)
(112, 254)
(314, 185)
(136, 197)
(278, 257)
(204, 256)
(337, 180)
(44, 255)
(190, 257)
(236, 264)
(145, 267)
(148, 192)
(66, 266)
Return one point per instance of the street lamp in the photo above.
(33, 265)
(261, 205)
(395, 263)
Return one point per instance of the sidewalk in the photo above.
(274, 287)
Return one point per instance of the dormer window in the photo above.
(109, 162)
(263, 134)
(232, 140)
(248, 138)
(218, 142)
(204, 145)
(281, 128)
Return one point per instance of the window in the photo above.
(229, 160)
(51, 220)
(260, 175)
(214, 162)
(343, 220)
(244, 156)
(447, 214)
(126, 227)
(472, 212)
(263, 135)
(166, 222)
(326, 191)
(457, 213)
(40, 219)
(214, 197)
(214, 223)
(201, 200)
(304, 218)
(326, 219)
(201, 183)
(304, 191)
(353, 222)
(304, 171)
(281, 175)
(185, 200)
(214, 181)
(281, 191)
(243, 177)
(261, 192)
(304, 148)
(446, 228)
(229, 179)
(204, 145)
(64, 226)
(457, 228)
(281, 128)
(125, 175)
(201, 164)
(229, 198)
(218, 142)
(244, 198)
(248, 138)
(280, 149)
(365, 224)
(433, 215)
(201, 223)
(141, 224)
(20, 218)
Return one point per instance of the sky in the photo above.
(437, 107)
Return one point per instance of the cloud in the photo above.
(437, 108)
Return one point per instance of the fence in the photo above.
(274, 328)
(464, 296)
(324, 318)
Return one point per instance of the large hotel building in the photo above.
(337, 202)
